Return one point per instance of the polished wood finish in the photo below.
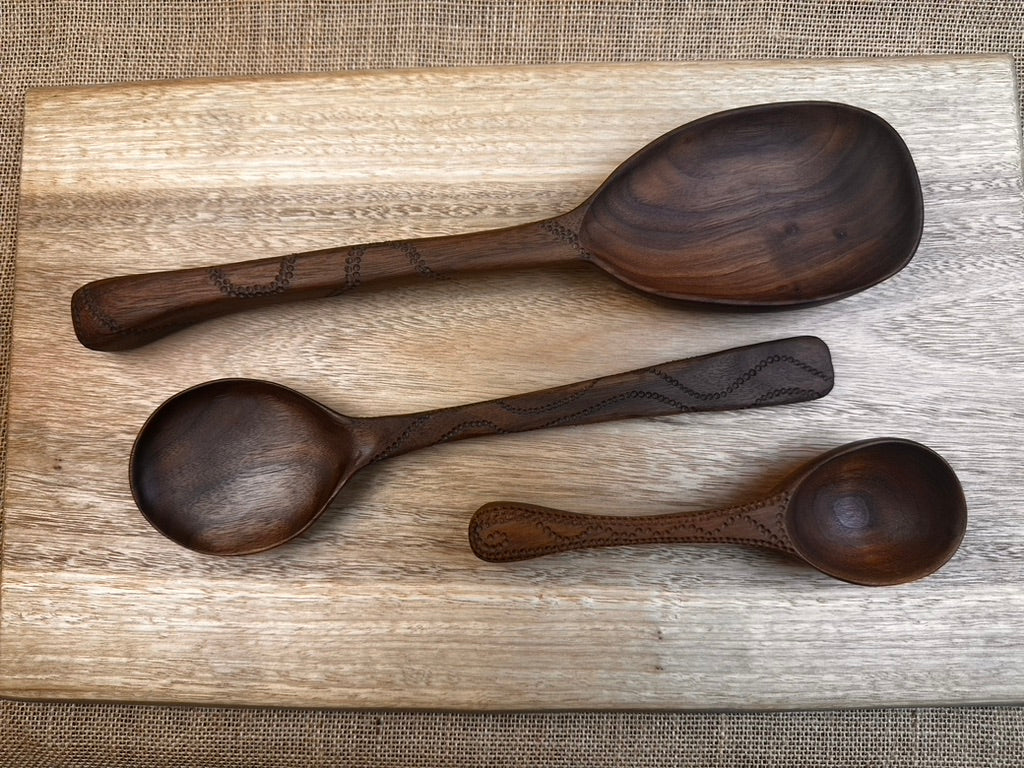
(773, 205)
(384, 605)
(238, 466)
(875, 512)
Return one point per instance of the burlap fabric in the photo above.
(77, 42)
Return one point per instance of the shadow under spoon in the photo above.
(236, 466)
(773, 205)
(874, 512)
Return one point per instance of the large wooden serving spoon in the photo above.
(238, 465)
(775, 205)
(874, 512)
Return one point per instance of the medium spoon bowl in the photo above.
(237, 465)
(874, 512)
(771, 206)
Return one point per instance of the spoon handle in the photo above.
(129, 311)
(771, 373)
(506, 531)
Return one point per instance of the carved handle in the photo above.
(506, 531)
(131, 310)
(772, 373)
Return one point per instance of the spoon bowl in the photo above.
(877, 512)
(234, 464)
(874, 512)
(771, 206)
(237, 466)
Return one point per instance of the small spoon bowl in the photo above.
(873, 512)
(877, 512)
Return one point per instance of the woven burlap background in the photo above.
(65, 42)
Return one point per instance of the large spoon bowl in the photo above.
(875, 512)
(770, 206)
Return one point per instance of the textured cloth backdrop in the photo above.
(78, 42)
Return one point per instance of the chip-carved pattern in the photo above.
(280, 283)
(655, 391)
(504, 532)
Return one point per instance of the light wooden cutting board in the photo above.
(382, 603)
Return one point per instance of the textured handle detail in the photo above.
(131, 310)
(508, 531)
(772, 373)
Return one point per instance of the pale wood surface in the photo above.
(382, 604)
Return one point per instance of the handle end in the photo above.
(96, 324)
(505, 531)
(791, 370)
(813, 356)
(128, 311)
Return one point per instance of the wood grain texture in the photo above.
(383, 604)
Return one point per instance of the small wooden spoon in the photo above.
(238, 465)
(875, 512)
(775, 205)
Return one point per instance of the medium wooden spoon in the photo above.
(875, 512)
(237, 465)
(775, 205)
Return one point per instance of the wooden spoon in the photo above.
(238, 465)
(776, 205)
(875, 512)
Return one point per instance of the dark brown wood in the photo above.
(129, 311)
(237, 466)
(776, 205)
(874, 512)
(505, 531)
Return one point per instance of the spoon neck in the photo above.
(760, 524)
(506, 531)
(532, 244)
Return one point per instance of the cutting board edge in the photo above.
(44, 92)
(819, 704)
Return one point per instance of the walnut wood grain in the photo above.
(876, 512)
(127, 311)
(775, 205)
(757, 375)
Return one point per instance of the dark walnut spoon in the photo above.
(777, 205)
(875, 512)
(238, 465)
